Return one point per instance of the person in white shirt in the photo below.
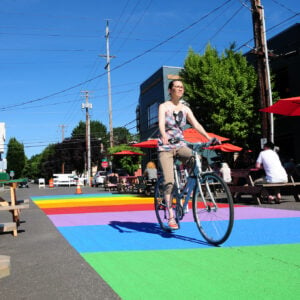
(269, 160)
(225, 172)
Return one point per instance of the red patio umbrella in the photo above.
(127, 152)
(286, 107)
(147, 144)
(193, 136)
(226, 147)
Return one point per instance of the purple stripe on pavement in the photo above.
(102, 218)
(86, 219)
(249, 212)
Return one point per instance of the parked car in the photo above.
(24, 184)
(99, 178)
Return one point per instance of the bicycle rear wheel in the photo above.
(161, 209)
(214, 216)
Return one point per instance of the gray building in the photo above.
(285, 66)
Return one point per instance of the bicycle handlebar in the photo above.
(201, 146)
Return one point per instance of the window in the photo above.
(152, 114)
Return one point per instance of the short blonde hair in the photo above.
(151, 165)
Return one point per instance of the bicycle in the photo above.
(212, 202)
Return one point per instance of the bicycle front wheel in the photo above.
(213, 210)
(161, 208)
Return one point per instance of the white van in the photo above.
(64, 179)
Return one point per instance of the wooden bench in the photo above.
(247, 187)
(258, 190)
(4, 266)
(17, 206)
(14, 206)
(294, 187)
(8, 227)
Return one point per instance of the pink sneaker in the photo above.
(172, 224)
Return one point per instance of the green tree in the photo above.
(97, 131)
(15, 157)
(220, 90)
(130, 163)
(33, 167)
(49, 162)
(121, 136)
(99, 143)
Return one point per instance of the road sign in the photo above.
(262, 142)
(104, 164)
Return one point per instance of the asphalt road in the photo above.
(45, 266)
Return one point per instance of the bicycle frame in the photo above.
(186, 192)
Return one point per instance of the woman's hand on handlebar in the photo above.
(165, 140)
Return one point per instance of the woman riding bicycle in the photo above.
(172, 117)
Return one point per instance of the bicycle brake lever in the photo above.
(214, 141)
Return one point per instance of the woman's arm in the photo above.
(162, 123)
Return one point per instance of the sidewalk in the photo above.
(43, 264)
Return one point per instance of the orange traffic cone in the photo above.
(51, 185)
(78, 188)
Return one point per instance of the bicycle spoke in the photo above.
(213, 210)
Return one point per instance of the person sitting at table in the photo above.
(150, 176)
(269, 160)
(111, 181)
(225, 172)
(244, 160)
(150, 172)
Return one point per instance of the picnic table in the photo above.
(14, 206)
(243, 182)
(127, 183)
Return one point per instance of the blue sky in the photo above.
(50, 52)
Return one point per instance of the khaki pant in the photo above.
(166, 160)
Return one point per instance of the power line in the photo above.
(137, 22)
(3, 108)
(228, 21)
(271, 28)
(282, 5)
(49, 35)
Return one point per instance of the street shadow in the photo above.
(152, 228)
(10, 232)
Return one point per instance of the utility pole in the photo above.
(62, 139)
(62, 131)
(87, 106)
(263, 70)
(107, 67)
